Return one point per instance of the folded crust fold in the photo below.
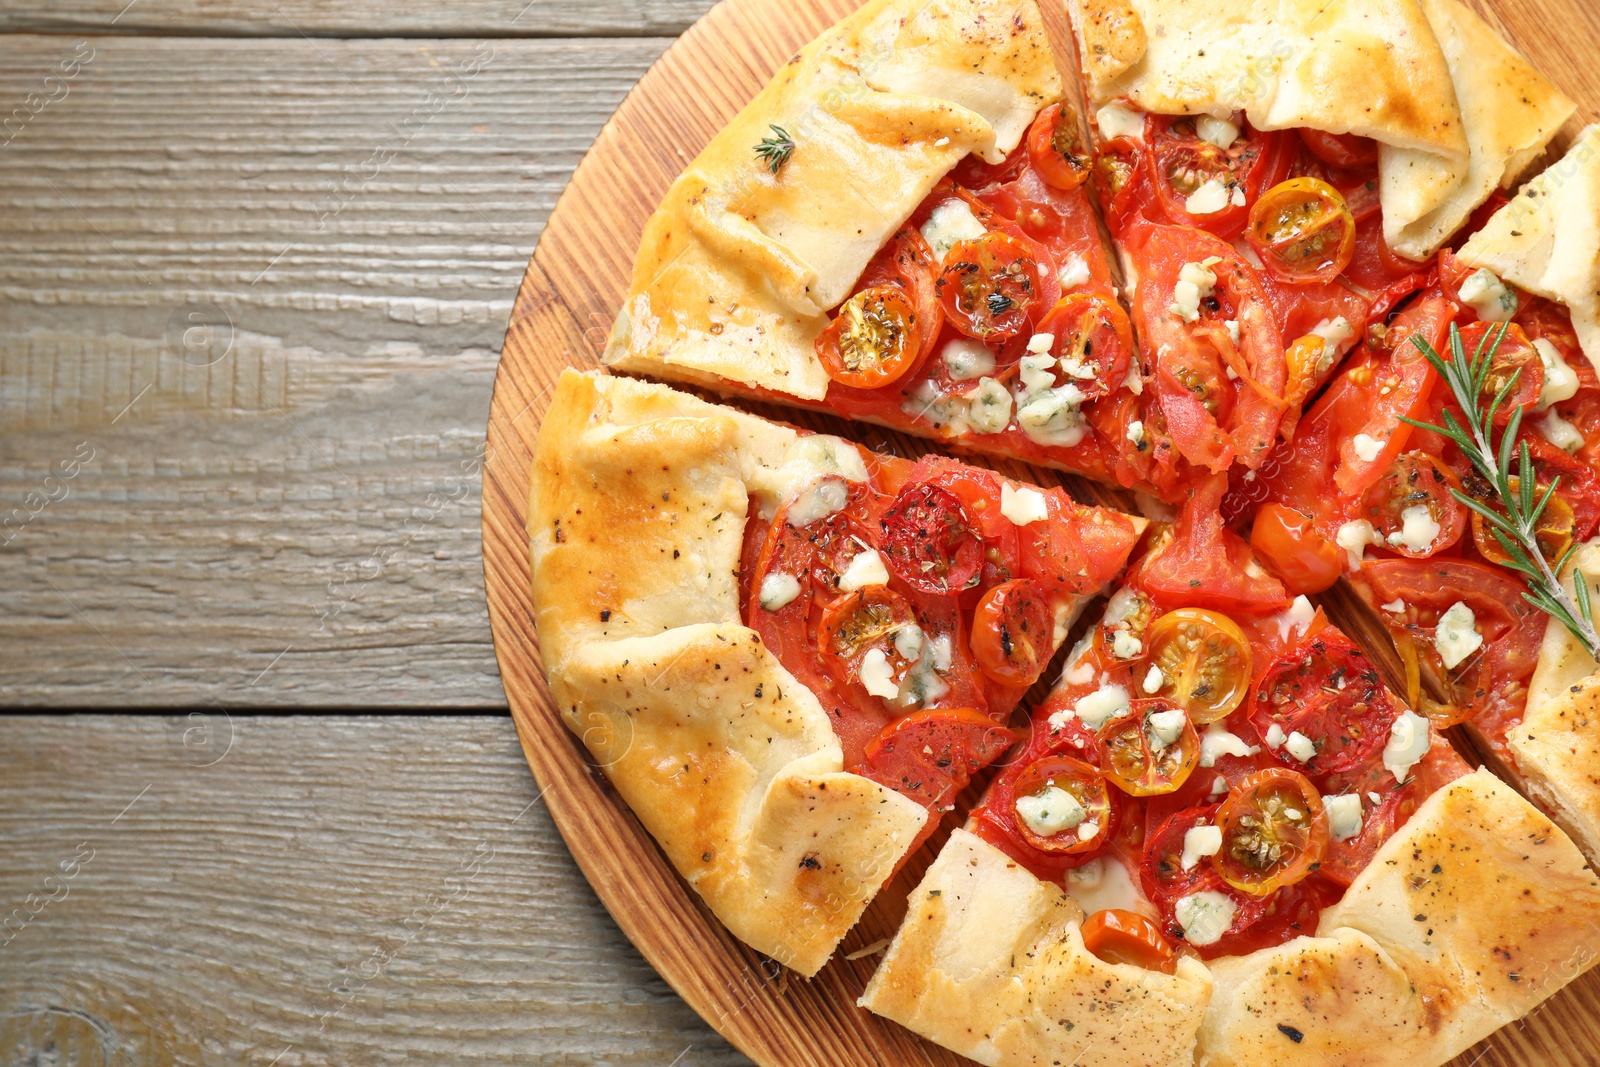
(740, 264)
(990, 963)
(1547, 240)
(636, 518)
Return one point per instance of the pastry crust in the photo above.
(1547, 240)
(1557, 745)
(739, 266)
(636, 518)
(991, 964)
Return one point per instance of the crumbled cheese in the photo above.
(1237, 199)
(877, 677)
(941, 142)
(1022, 506)
(1052, 416)
(1134, 381)
(1456, 637)
(778, 590)
(1396, 605)
(1107, 702)
(1123, 605)
(1296, 618)
(1344, 815)
(927, 402)
(1275, 737)
(1409, 739)
(1119, 120)
(1218, 740)
(1136, 432)
(1051, 811)
(1418, 529)
(1104, 883)
(1125, 646)
(1560, 381)
(943, 652)
(1334, 333)
(818, 501)
(1375, 798)
(966, 359)
(1040, 343)
(1153, 679)
(1354, 537)
(1196, 282)
(1233, 330)
(908, 642)
(1198, 843)
(1215, 131)
(865, 569)
(1205, 916)
(950, 224)
(1087, 830)
(1559, 432)
(1219, 784)
(1300, 747)
(1367, 447)
(989, 409)
(1166, 727)
(1036, 373)
(1486, 294)
(1210, 198)
(1074, 272)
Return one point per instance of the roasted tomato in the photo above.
(1013, 631)
(1201, 184)
(1344, 150)
(1118, 936)
(1062, 805)
(1412, 508)
(1197, 659)
(1286, 539)
(1119, 182)
(1152, 749)
(1092, 339)
(1514, 366)
(1274, 832)
(1056, 148)
(1204, 563)
(993, 287)
(1554, 532)
(1322, 706)
(930, 541)
(931, 755)
(872, 341)
(1162, 872)
(867, 635)
(1302, 230)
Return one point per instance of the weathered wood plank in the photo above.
(335, 890)
(360, 213)
(358, 18)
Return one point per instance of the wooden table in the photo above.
(259, 799)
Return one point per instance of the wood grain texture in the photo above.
(334, 890)
(358, 18)
(360, 212)
(567, 301)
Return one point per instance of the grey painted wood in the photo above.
(306, 891)
(357, 18)
(282, 507)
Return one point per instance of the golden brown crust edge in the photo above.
(636, 515)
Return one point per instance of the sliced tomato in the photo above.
(1204, 564)
(1178, 163)
(929, 540)
(1057, 149)
(1289, 543)
(1161, 870)
(1071, 551)
(1117, 936)
(1274, 832)
(1120, 183)
(1013, 631)
(1087, 800)
(1514, 366)
(872, 341)
(1199, 660)
(1092, 339)
(871, 622)
(992, 288)
(1415, 480)
(1290, 912)
(931, 755)
(1302, 230)
(1152, 749)
(1326, 690)
(1346, 150)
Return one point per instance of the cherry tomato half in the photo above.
(992, 287)
(1013, 632)
(1326, 690)
(1291, 545)
(1117, 936)
(1303, 231)
(1416, 480)
(1151, 750)
(1179, 163)
(1057, 150)
(1554, 534)
(872, 341)
(1088, 798)
(1161, 871)
(1344, 150)
(872, 619)
(1199, 660)
(1514, 357)
(1093, 341)
(929, 540)
(1274, 831)
(1119, 181)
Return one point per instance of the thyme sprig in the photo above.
(1515, 527)
(775, 151)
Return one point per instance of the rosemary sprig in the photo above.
(1516, 529)
(775, 151)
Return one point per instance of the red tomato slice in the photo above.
(907, 263)
(930, 542)
(1288, 542)
(1415, 480)
(931, 755)
(1274, 832)
(1013, 633)
(1120, 182)
(1178, 163)
(1093, 341)
(1204, 564)
(1137, 762)
(1088, 788)
(994, 287)
(1303, 231)
(1161, 872)
(1325, 689)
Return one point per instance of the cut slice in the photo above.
(763, 637)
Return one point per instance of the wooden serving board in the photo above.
(573, 287)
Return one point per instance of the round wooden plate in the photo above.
(563, 312)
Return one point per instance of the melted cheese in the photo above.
(1409, 739)
(1560, 381)
(1022, 506)
(965, 359)
(865, 568)
(1104, 703)
(1119, 120)
(877, 677)
(1210, 198)
(1215, 131)
(1344, 815)
(1204, 916)
(949, 225)
(778, 590)
(989, 409)
(1198, 843)
(1218, 740)
(1457, 637)
(1486, 294)
(818, 501)
(1051, 811)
